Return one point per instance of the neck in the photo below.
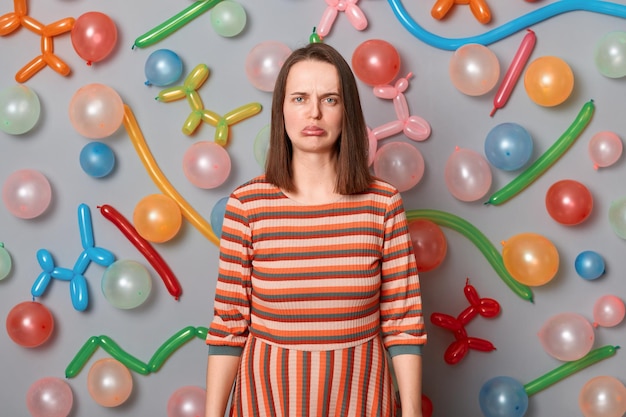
(315, 181)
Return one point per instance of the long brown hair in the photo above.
(353, 175)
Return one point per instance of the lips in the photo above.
(313, 131)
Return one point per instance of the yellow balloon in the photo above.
(157, 218)
(549, 81)
(530, 258)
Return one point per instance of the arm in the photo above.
(220, 376)
(408, 370)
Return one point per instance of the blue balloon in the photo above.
(508, 146)
(589, 265)
(503, 396)
(217, 216)
(163, 67)
(97, 159)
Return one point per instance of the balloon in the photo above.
(467, 175)
(602, 396)
(157, 218)
(549, 81)
(26, 193)
(94, 36)
(514, 71)
(503, 396)
(264, 62)
(605, 149)
(376, 62)
(217, 215)
(109, 382)
(261, 145)
(126, 284)
(610, 55)
(29, 324)
(547, 159)
(49, 397)
(163, 67)
(617, 216)
(485, 246)
(354, 14)
(19, 109)
(97, 159)
(187, 401)
(567, 336)
(146, 249)
(474, 69)
(400, 164)
(427, 406)
(589, 265)
(508, 146)
(5, 262)
(479, 9)
(228, 18)
(569, 202)
(96, 111)
(429, 244)
(531, 258)
(206, 164)
(608, 311)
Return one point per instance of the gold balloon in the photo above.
(530, 258)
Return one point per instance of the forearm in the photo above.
(408, 370)
(220, 376)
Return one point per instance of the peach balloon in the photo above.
(109, 382)
(605, 149)
(27, 193)
(567, 336)
(157, 218)
(603, 396)
(96, 111)
(467, 175)
(530, 258)
(608, 311)
(474, 69)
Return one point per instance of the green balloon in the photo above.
(19, 109)
(5, 262)
(610, 55)
(228, 18)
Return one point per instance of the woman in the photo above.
(317, 278)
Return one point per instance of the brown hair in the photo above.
(353, 175)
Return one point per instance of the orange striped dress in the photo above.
(313, 297)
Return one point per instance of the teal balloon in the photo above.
(589, 265)
(5, 262)
(610, 55)
(508, 146)
(228, 18)
(19, 109)
(97, 159)
(163, 67)
(126, 284)
(503, 396)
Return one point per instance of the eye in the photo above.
(331, 100)
(298, 99)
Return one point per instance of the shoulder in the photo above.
(383, 189)
(255, 189)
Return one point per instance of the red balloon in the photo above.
(29, 324)
(376, 62)
(429, 244)
(569, 202)
(427, 406)
(94, 36)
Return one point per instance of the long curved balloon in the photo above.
(490, 252)
(508, 28)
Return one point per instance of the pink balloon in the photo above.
(206, 164)
(94, 35)
(26, 193)
(109, 382)
(264, 62)
(49, 397)
(96, 111)
(467, 175)
(605, 149)
(603, 396)
(474, 69)
(608, 311)
(567, 336)
(400, 164)
(188, 401)
(30, 324)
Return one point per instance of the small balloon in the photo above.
(157, 218)
(261, 145)
(602, 396)
(94, 35)
(610, 55)
(187, 401)
(109, 382)
(589, 265)
(96, 111)
(530, 258)
(508, 146)
(97, 159)
(206, 164)
(376, 62)
(217, 216)
(605, 149)
(163, 67)
(567, 336)
(503, 396)
(49, 397)
(19, 109)
(126, 284)
(467, 175)
(400, 164)
(549, 81)
(228, 18)
(617, 216)
(29, 324)
(474, 69)
(429, 244)
(608, 311)
(27, 193)
(5, 262)
(263, 63)
(569, 202)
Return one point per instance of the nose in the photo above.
(316, 109)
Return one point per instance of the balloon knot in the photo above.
(89, 63)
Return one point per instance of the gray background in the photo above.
(53, 147)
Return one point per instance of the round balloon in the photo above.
(610, 55)
(26, 193)
(400, 164)
(217, 216)
(5, 262)
(94, 35)
(187, 401)
(19, 109)
(49, 397)
(163, 67)
(263, 63)
(261, 145)
(530, 258)
(608, 311)
(474, 69)
(206, 164)
(605, 149)
(567, 336)
(503, 396)
(96, 111)
(157, 218)
(376, 62)
(228, 18)
(429, 244)
(602, 396)
(508, 146)
(617, 216)
(126, 284)
(589, 265)
(549, 81)
(467, 175)
(29, 324)
(109, 382)
(97, 159)
(569, 202)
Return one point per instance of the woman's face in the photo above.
(313, 110)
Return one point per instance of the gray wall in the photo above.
(53, 147)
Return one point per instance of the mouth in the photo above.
(313, 131)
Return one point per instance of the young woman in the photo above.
(317, 281)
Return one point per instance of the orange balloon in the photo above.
(549, 81)
(157, 218)
(530, 258)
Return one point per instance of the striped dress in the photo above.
(313, 297)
